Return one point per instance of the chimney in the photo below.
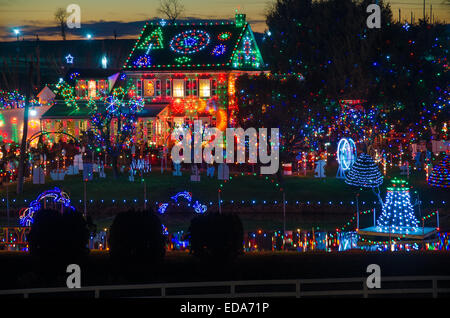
(240, 19)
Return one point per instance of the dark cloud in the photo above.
(101, 28)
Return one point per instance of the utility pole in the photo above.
(424, 14)
(431, 13)
(399, 16)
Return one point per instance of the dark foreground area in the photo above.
(17, 269)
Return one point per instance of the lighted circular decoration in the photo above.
(223, 36)
(219, 50)
(189, 42)
(346, 153)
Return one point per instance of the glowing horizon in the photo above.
(31, 17)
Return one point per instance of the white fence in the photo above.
(431, 286)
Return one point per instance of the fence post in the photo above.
(233, 290)
(96, 293)
(365, 290)
(297, 289)
(435, 290)
(163, 291)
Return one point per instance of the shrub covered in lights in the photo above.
(136, 237)
(58, 238)
(440, 176)
(364, 173)
(216, 237)
(398, 212)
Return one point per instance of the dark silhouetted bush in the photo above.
(216, 236)
(58, 238)
(136, 237)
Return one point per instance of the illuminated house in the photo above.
(184, 71)
(188, 70)
(87, 83)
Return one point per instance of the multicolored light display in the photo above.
(398, 212)
(56, 194)
(143, 61)
(364, 173)
(154, 41)
(440, 176)
(219, 50)
(190, 41)
(197, 206)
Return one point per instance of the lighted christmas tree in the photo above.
(364, 173)
(398, 212)
(440, 176)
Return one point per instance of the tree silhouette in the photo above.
(136, 237)
(61, 19)
(216, 237)
(58, 238)
(172, 9)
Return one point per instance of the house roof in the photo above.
(89, 73)
(183, 46)
(61, 110)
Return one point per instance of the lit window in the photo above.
(213, 87)
(81, 88)
(139, 87)
(178, 88)
(102, 87)
(205, 87)
(158, 88)
(92, 89)
(149, 88)
(187, 87)
(168, 88)
(194, 90)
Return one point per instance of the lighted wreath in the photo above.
(189, 42)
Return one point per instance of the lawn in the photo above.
(326, 203)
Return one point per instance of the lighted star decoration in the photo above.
(219, 50)
(69, 59)
(143, 60)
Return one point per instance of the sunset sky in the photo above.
(101, 17)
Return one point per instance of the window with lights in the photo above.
(204, 87)
(178, 88)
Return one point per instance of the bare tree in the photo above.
(172, 9)
(61, 18)
(23, 144)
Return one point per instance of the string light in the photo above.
(398, 213)
(364, 173)
(440, 176)
(190, 41)
(58, 196)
